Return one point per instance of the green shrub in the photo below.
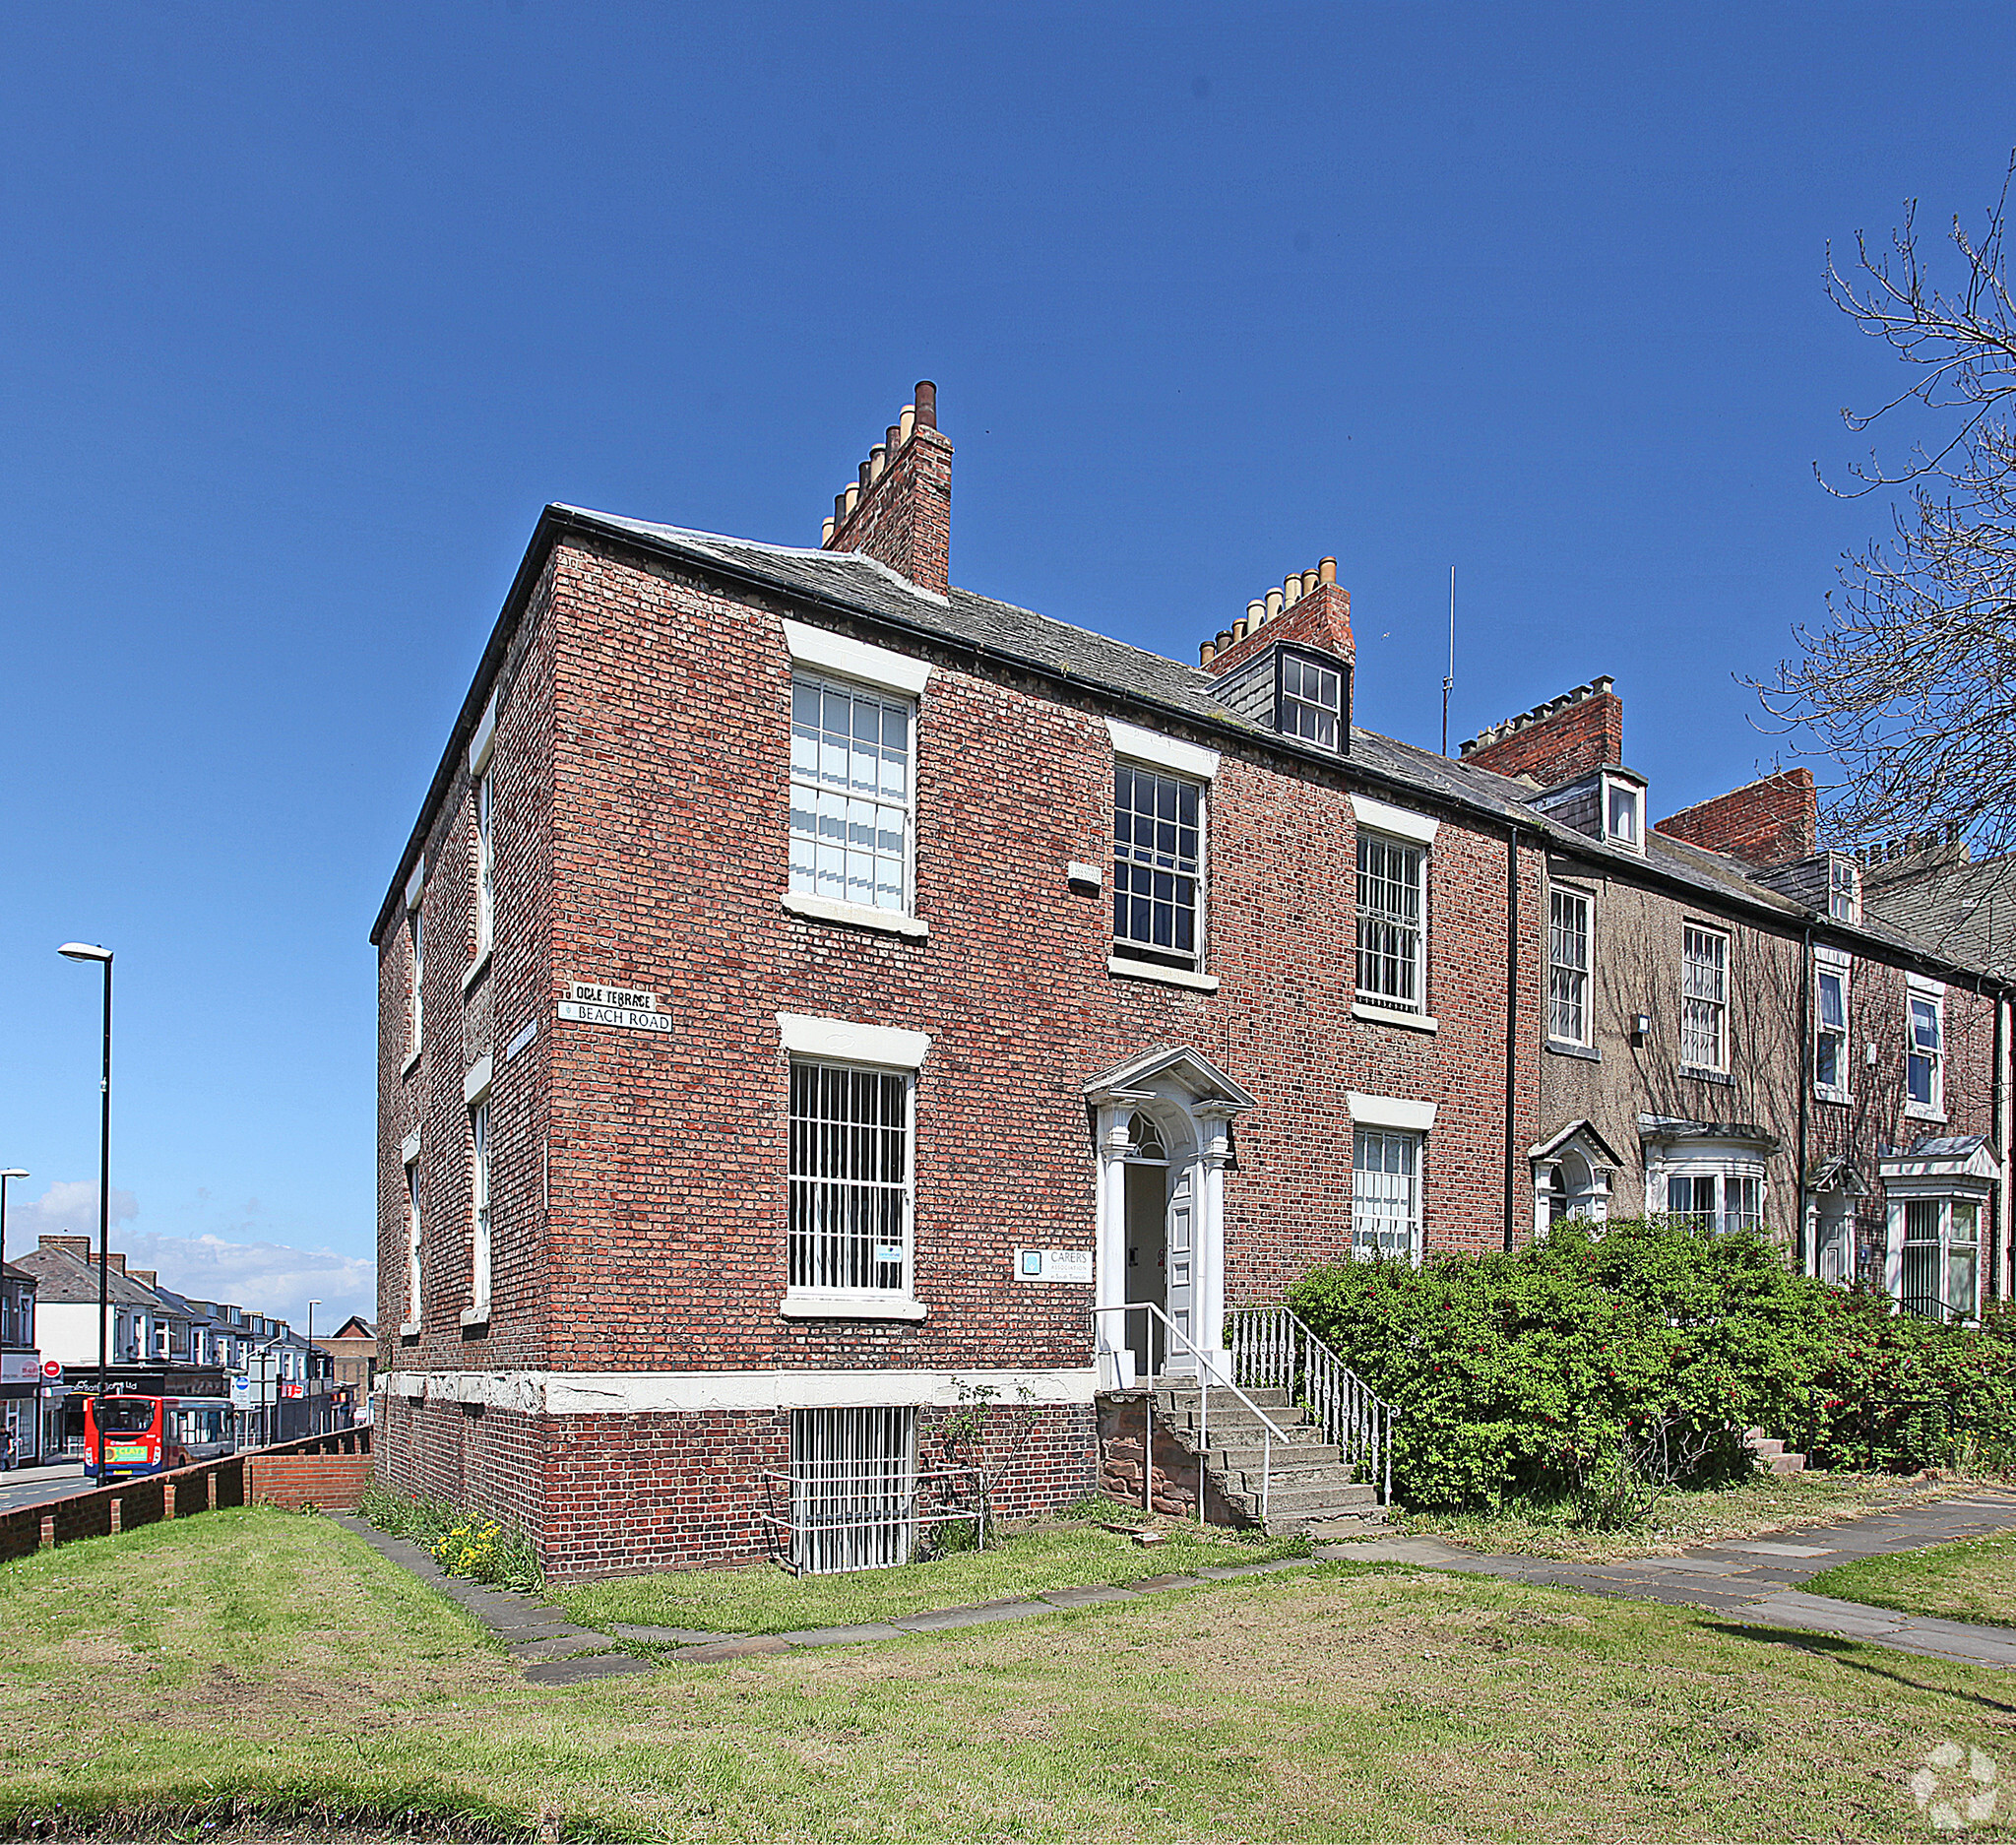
(464, 1544)
(1525, 1376)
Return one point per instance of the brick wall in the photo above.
(903, 518)
(1769, 822)
(331, 1482)
(1578, 734)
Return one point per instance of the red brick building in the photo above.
(813, 994)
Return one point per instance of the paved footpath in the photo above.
(1751, 1580)
(1755, 1581)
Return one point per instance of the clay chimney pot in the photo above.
(878, 458)
(1326, 571)
(1256, 613)
(1273, 603)
(926, 399)
(1309, 582)
(905, 423)
(826, 533)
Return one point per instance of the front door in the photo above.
(1181, 1299)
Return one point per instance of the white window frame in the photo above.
(1944, 1206)
(1144, 953)
(1569, 983)
(1329, 675)
(802, 892)
(1711, 1006)
(1371, 1212)
(1844, 889)
(415, 1220)
(483, 799)
(1829, 964)
(824, 1296)
(1726, 1213)
(1614, 788)
(1924, 996)
(416, 962)
(1419, 851)
(482, 1225)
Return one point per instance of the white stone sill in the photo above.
(476, 1316)
(476, 970)
(1917, 1111)
(1385, 1016)
(1167, 976)
(408, 1329)
(808, 1304)
(1834, 1098)
(854, 915)
(412, 1063)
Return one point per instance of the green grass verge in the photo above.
(1680, 1521)
(272, 1666)
(1059, 1554)
(1974, 1579)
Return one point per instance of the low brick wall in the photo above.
(332, 1483)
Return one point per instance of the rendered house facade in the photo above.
(813, 994)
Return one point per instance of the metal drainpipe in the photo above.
(1511, 1021)
(1998, 1103)
(1799, 1242)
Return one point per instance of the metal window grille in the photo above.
(1921, 1253)
(486, 865)
(1569, 967)
(479, 1204)
(1157, 837)
(413, 1241)
(1830, 1031)
(848, 1178)
(854, 1497)
(1386, 1194)
(851, 795)
(1704, 1000)
(1311, 700)
(420, 964)
(1921, 1071)
(1390, 904)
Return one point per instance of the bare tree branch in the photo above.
(1908, 689)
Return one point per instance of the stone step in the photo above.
(1773, 1452)
(1337, 1490)
(1289, 1509)
(1185, 1396)
(1289, 1457)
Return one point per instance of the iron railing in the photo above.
(1208, 1379)
(1272, 1348)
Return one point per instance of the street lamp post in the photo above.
(314, 1408)
(13, 1172)
(88, 951)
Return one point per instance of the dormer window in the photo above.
(1844, 890)
(1309, 700)
(1623, 813)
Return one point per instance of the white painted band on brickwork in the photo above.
(1162, 752)
(1397, 821)
(633, 1393)
(854, 915)
(485, 740)
(475, 1082)
(1398, 1112)
(853, 1044)
(856, 660)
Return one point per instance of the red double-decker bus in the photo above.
(124, 1435)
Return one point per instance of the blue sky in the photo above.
(306, 312)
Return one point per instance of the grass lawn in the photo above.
(1974, 1579)
(1058, 1554)
(1767, 1502)
(272, 1659)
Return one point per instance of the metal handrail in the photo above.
(1205, 1382)
(1273, 1346)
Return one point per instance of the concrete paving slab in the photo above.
(579, 1670)
(1388, 1551)
(667, 1636)
(1083, 1598)
(562, 1646)
(749, 1646)
(948, 1617)
(1177, 1580)
(1763, 1549)
(840, 1637)
(1694, 1564)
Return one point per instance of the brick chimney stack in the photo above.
(1308, 607)
(1558, 741)
(79, 1247)
(1769, 822)
(899, 511)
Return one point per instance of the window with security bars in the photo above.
(854, 1488)
(1385, 1194)
(1569, 967)
(852, 793)
(1704, 1000)
(412, 1242)
(1391, 894)
(479, 1206)
(486, 864)
(1158, 867)
(849, 1180)
(1312, 701)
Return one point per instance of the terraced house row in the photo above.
(814, 996)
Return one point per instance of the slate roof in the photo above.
(1965, 910)
(1012, 637)
(62, 1279)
